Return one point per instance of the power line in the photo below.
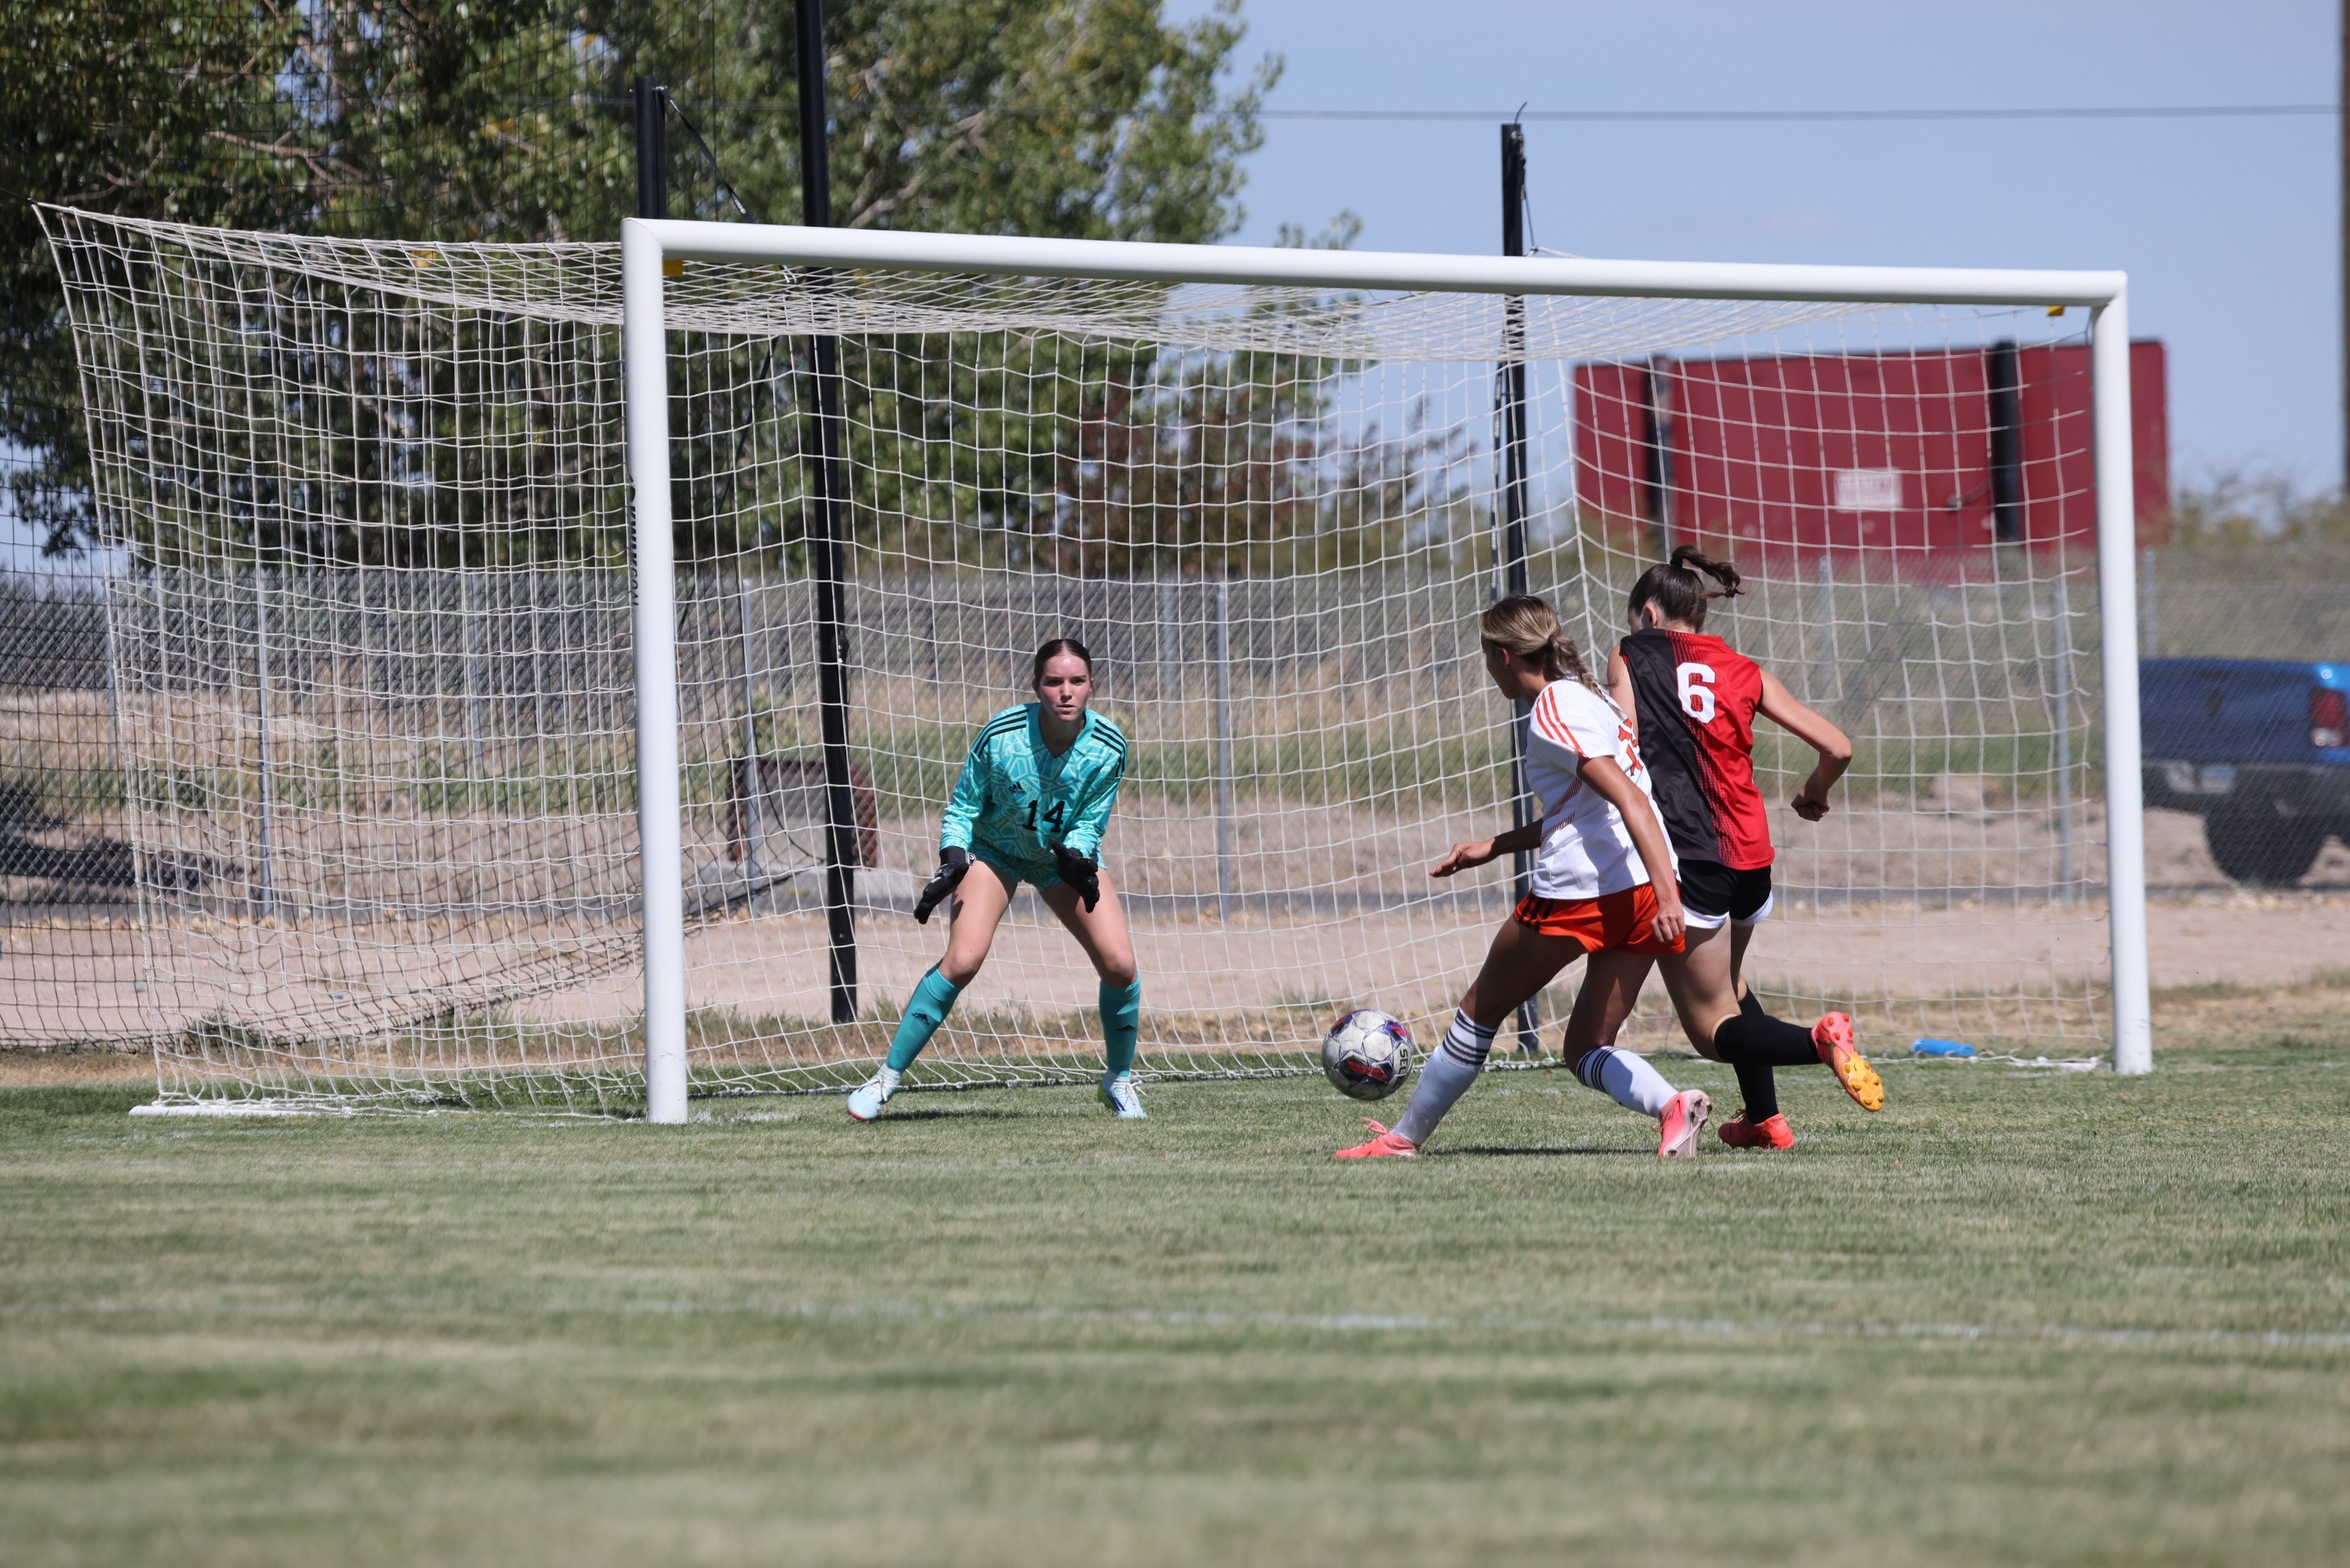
(2223, 111)
(1650, 116)
(717, 173)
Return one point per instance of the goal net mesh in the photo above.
(371, 654)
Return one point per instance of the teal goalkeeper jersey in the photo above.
(1017, 800)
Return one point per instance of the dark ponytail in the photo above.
(1679, 592)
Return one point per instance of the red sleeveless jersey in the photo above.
(1697, 698)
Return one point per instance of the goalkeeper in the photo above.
(1030, 806)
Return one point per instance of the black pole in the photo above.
(1656, 383)
(826, 537)
(2007, 443)
(815, 138)
(1513, 368)
(1513, 509)
(652, 150)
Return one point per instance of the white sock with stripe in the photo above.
(1449, 1071)
(1626, 1079)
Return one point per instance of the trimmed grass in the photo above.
(2018, 1317)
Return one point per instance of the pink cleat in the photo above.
(1380, 1147)
(1742, 1131)
(1683, 1120)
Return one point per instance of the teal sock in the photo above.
(926, 1009)
(1121, 1020)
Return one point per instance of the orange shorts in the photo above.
(1612, 920)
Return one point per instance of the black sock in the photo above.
(1760, 1089)
(1756, 1083)
(1765, 1041)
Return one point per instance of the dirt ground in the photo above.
(1416, 964)
(367, 857)
(1965, 938)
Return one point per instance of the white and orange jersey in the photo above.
(1586, 849)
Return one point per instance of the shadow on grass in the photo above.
(1488, 1151)
(955, 1114)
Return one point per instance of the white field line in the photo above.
(1384, 1323)
(1658, 1325)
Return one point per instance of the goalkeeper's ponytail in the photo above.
(1529, 628)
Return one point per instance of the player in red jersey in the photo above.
(1694, 699)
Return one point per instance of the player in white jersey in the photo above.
(1603, 881)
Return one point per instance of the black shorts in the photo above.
(1712, 893)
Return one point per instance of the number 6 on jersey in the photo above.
(1697, 691)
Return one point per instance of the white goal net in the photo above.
(375, 689)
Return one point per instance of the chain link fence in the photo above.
(394, 695)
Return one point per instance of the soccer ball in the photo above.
(1367, 1054)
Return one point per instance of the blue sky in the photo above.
(2228, 228)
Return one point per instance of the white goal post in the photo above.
(649, 247)
(537, 670)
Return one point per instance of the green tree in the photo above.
(1088, 119)
(508, 119)
(150, 109)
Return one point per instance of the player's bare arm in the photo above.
(1478, 852)
(1648, 837)
(1814, 730)
(1621, 693)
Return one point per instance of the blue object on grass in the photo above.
(1940, 1048)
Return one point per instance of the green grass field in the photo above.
(2016, 1318)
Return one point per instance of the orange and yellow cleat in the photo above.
(1772, 1132)
(1381, 1147)
(1832, 1038)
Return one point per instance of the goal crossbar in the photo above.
(649, 246)
(1265, 266)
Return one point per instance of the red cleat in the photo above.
(1772, 1132)
(1832, 1038)
(1384, 1146)
(1683, 1120)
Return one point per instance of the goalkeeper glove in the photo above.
(953, 861)
(1080, 873)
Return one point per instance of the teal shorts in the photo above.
(1015, 869)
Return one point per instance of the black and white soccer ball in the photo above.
(1367, 1054)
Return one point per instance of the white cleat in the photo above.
(867, 1101)
(1120, 1095)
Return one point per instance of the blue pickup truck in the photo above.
(2260, 751)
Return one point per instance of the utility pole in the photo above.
(652, 149)
(827, 538)
(1514, 468)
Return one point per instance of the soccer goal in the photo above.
(539, 669)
